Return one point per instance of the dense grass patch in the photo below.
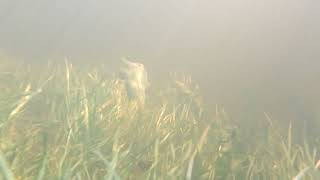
(60, 122)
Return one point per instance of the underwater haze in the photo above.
(159, 89)
(250, 56)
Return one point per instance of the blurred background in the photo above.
(250, 56)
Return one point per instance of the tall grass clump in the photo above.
(63, 122)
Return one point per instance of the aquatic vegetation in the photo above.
(62, 122)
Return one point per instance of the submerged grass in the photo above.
(65, 123)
